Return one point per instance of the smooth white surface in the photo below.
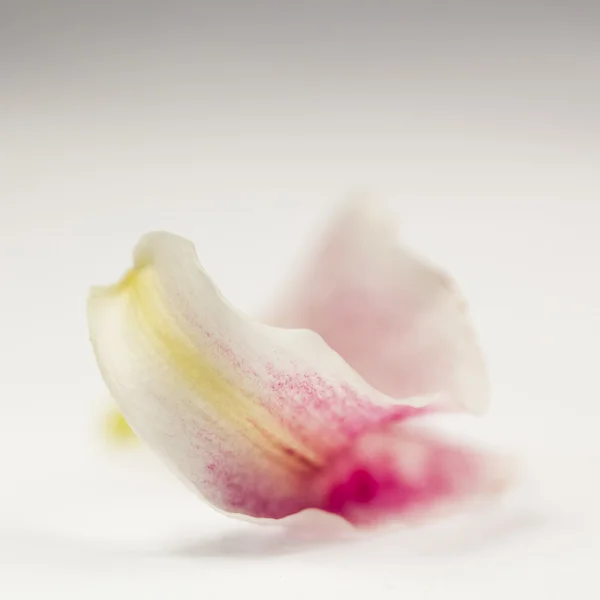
(491, 162)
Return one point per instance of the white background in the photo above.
(241, 130)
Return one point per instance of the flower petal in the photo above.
(116, 428)
(408, 471)
(245, 412)
(398, 321)
(261, 421)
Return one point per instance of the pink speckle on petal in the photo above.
(318, 411)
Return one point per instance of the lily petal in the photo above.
(259, 420)
(397, 320)
(408, 470)
(116, 428)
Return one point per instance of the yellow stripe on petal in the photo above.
(141, 290)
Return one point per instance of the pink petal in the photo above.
(406, 471)
(399, 322)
